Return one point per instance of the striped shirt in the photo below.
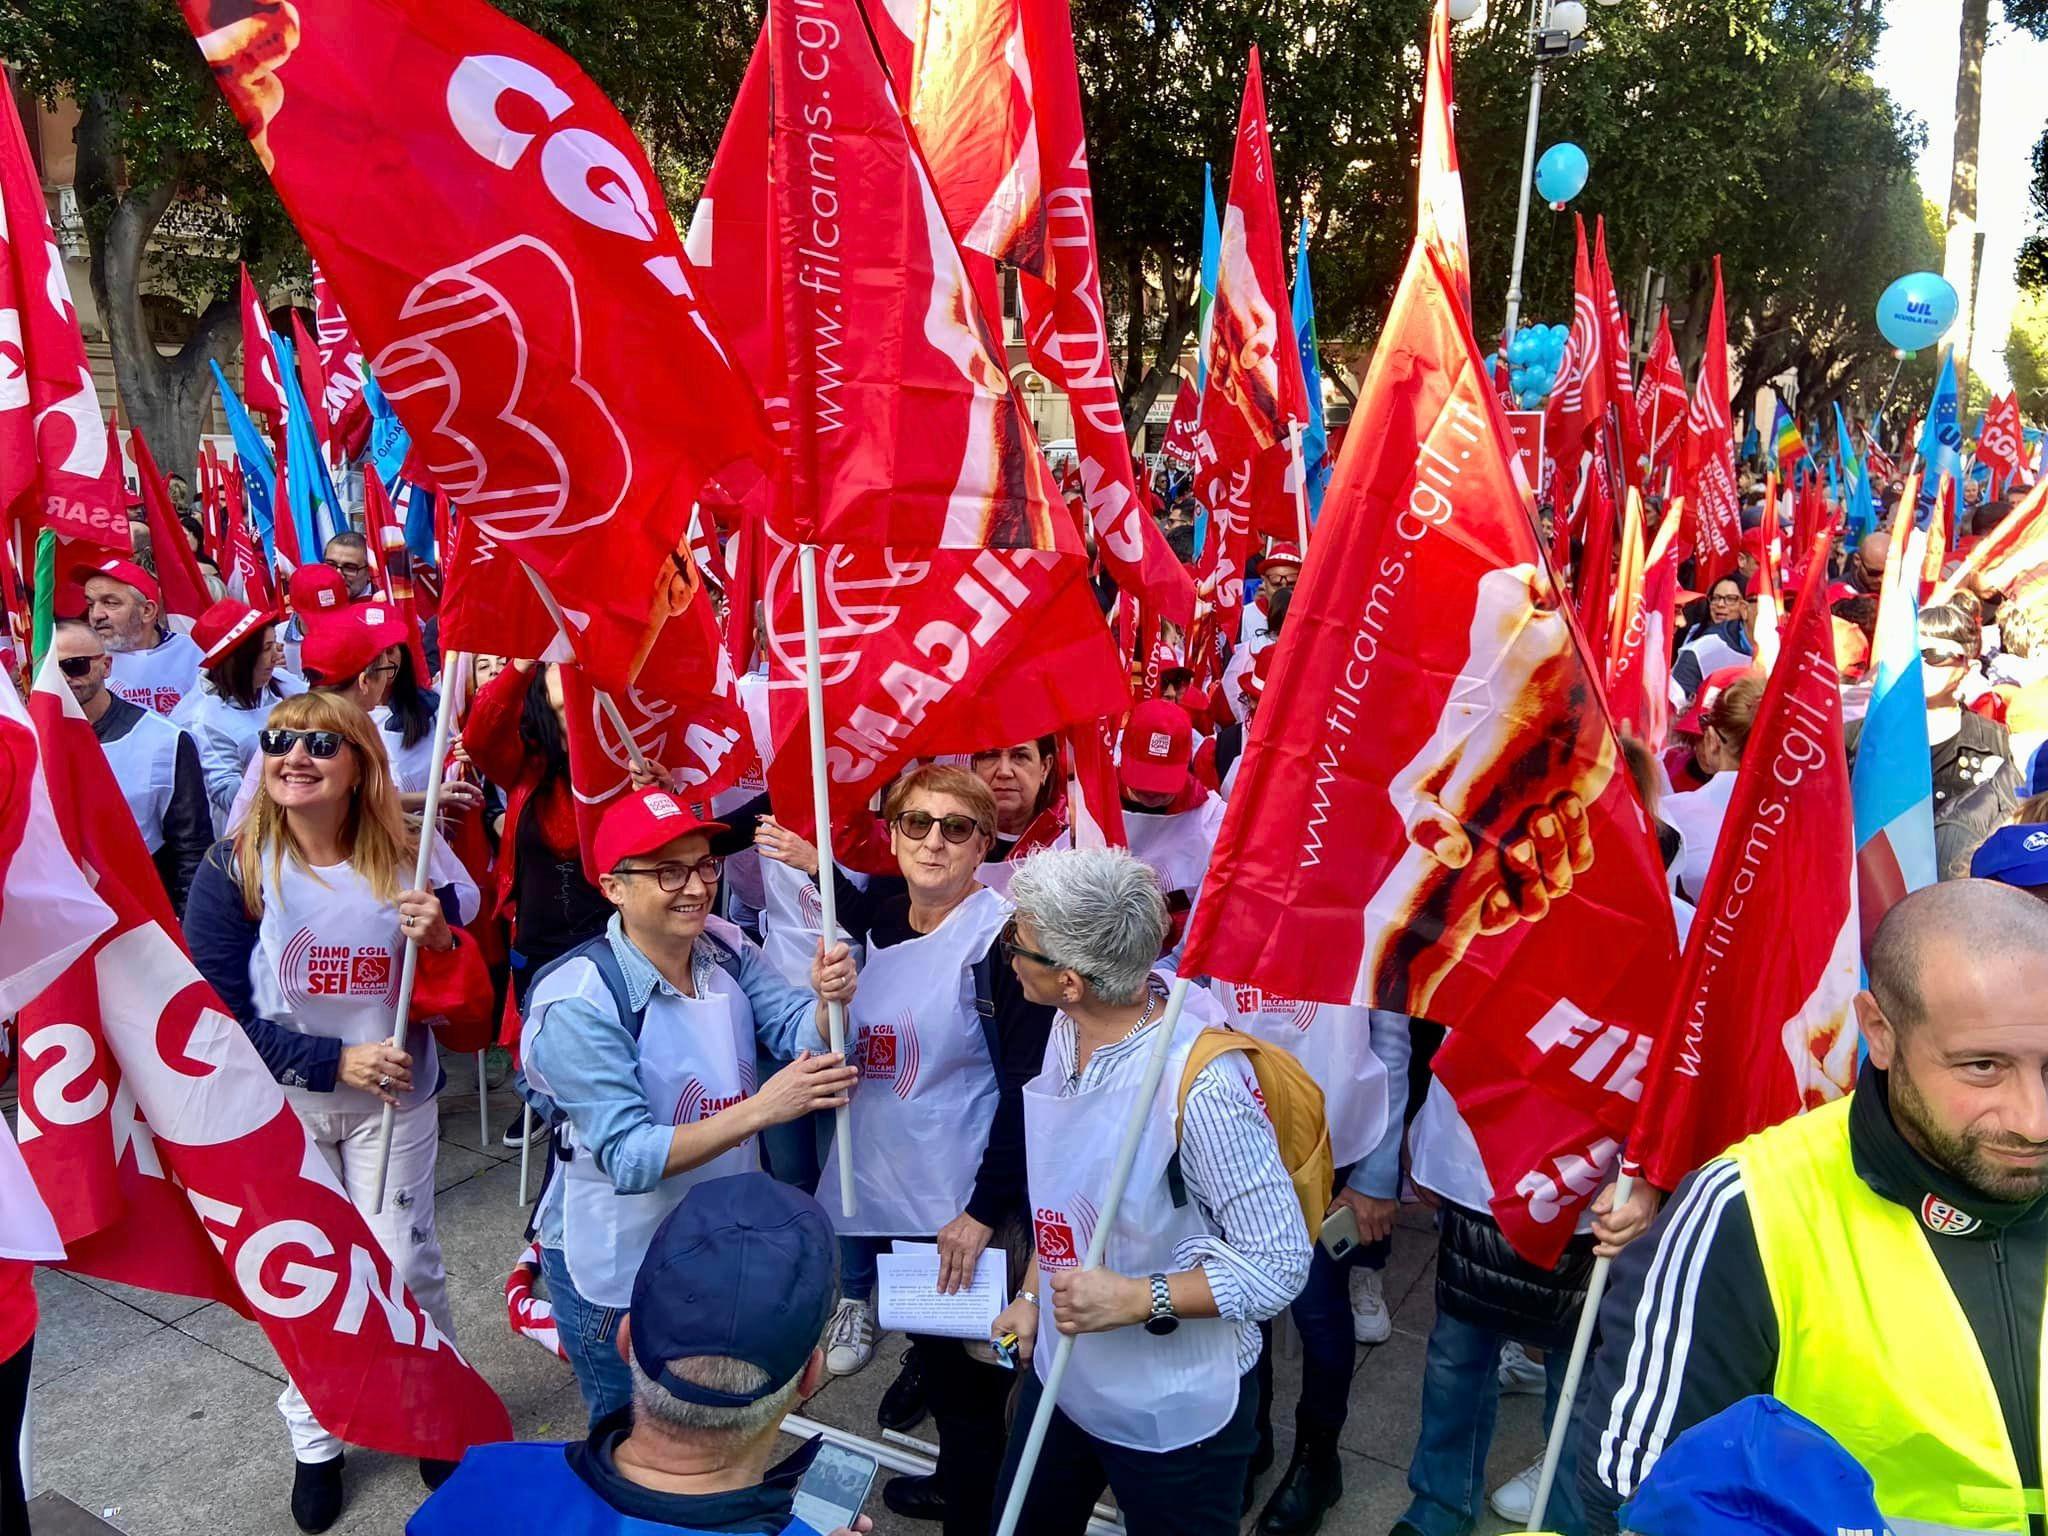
(1257, 1256)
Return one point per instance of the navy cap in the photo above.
(746, 1267)
(2015, 855)
(1754, 1469)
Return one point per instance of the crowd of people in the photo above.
(667, 993)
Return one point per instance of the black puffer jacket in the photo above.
(1482, 1281)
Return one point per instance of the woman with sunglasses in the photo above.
(241, 676)
(299, 922)
(938, 1123)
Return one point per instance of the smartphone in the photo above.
(834, 1488)
(1340, 1232)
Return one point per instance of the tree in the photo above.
(2026, 352)
(1959, 246)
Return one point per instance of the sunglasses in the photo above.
(954, 828)
(1012, 949)
(78, 666)
(278, 743)
(672, 877)
(1942, 658)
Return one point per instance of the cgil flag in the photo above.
(1709, 462)
(1440, 190)
(1999, 437)
(1892, 780)
(1762, 1024)
(1432, 813)
(1628, 445)
(537, 332)
(1661, 402)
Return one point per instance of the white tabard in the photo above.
(927, 1093)
(158, 677)
(1176, 847)
(1126, 1386)
(1334, 1042)
(145, 764)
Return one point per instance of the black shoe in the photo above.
(316, 1494)
(1313, 1483)
(435, 1473)
(523, 1131)
(915, 1498)
(903, 1406)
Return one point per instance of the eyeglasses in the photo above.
(672, 877)
(1013, 949)
(1729, 598)
(1941, 657)
(277, 742)
(954, 827)
(78, 666)
(384, 669)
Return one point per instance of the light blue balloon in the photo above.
(1561, 173)
(1559, 335)
(1914, 311)
(1518, 348)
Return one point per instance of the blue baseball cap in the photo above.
(746, 1267)
(1754, 1469)
(2016, 855)
(2037, 772)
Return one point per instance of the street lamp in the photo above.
(1556, 29)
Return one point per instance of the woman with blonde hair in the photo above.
(299, 922)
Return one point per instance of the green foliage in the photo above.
(2026, 352)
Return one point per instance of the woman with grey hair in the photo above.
(1160, 1405)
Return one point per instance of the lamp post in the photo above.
(1555, 30)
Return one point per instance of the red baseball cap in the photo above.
(1194, 703)
(125, 571)
(341, 644)
(317, 589)
(1281, 554)
(643, 821)
(1159, 742)
(226, 625)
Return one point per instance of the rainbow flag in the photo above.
(1785, 436)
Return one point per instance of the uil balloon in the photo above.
(1914, 311)
(1561, 174)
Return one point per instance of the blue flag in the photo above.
(1315, 439)
(1860, 507)
(1941, 440)
(389, 441)
(316, 511)
(419, 527)
(259, 469)
(1212, 261)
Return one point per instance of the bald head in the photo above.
(1990, 931)
(1870, 557)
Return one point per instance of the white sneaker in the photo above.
(1370, 1323)
(1518, 1373)
(1516, 1498)
(850, 1340)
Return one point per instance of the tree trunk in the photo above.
(1959, 252)
(1176, 324)
(164, 398)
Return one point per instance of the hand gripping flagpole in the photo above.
(1098, 1241)
(821, 810)
(444, 716)
(1582, 1342)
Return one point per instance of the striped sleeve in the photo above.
(1234, 1172)
(1686, 1330)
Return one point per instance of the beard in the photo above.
(1965, 1155)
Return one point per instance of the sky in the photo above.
(1916, 62)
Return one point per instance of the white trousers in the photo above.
(348, 1140)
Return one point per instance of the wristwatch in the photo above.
(1162, 1321)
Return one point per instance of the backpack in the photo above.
(1294, 1104)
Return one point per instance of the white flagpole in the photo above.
(1294, 444)
(525, 1145)
(1582, 1342)
(409, 967)
(1098, 1241)
(821, 809)
(483, 1102)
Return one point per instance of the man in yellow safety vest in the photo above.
(1881, 1264)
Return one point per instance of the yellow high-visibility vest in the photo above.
(1873, 1345)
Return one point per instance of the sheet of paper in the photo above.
(907, 1295)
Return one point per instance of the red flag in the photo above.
(743, 562)
(217, 1181)
(54, 467)
(1178, 446)
(49, 915)
(733, 235)
(177, 567)
(1254, 392)
(1999, 440)
(312, 381)
(1762, 1025)
(1624, 648)
(994, 99)
(1621, 394)
(2012, 555)
(1577, 411)
(245, 574)
(1710, 456)
(1661, 402)
(538, 334)
(261, 391)
(386, 538)
(1440, 190)
(341, 357)
(1651, 722)
(1594, 578)
(1432, 741)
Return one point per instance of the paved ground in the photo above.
(159, 1413)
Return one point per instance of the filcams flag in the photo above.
(1709, 457)
(537, 334)
(1762, 1023)
(1440, 190)
(1621, 390)
(1661, 402)
(221, 1190)
(1432, 813)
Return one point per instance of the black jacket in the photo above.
(1482, 1281)
(1976, 788)
(1688, 1328)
